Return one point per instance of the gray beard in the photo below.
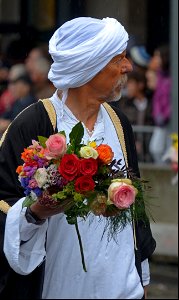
(115, 99)
(118, 97)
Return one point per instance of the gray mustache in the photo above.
(123, 80)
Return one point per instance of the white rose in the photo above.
(41, 177)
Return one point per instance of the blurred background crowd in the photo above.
(25, 62)
(22, 83)
(146, 100)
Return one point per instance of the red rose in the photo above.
(84, 184)
(88, 166)
(69, 166)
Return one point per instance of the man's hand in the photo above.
(44, 212)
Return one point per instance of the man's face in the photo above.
(109, 82)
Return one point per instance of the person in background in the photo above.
(7, 98)
(21, 89)
(34, 55)
(90, 67)
(42, 87)
(139, 58)
(4, 72)
(137, 107)
(161, 100)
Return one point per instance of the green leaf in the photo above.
(77, 134)
(70, 149)
(62, 132)
(42, 141)
(60, 195)
(78, 197)
(27, 202)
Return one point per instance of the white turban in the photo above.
(82, 47)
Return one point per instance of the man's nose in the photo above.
(127, 67)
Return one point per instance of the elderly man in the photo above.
(89, 69)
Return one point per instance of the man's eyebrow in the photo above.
(119, 58)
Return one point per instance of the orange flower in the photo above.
(27, 154)
(19, 169)
(105, 154)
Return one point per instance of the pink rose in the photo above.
(121, 194)
(56, 146)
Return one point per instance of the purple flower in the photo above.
(42, 162)
(30, 170)
(37, 191)
(25, 181)
(36, 158)
(27, 191)
(62, 182)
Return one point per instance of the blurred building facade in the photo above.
(147, 20)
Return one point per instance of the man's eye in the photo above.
(118, 60)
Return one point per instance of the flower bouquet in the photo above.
(86, 175)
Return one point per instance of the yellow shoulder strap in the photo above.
(3, 136)
(119, 130)
(51, 111)
(4, 206)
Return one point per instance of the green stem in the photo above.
(81, 247)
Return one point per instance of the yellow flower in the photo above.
(92, 144)
(174, 137)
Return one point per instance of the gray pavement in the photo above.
(164, 280)
(164, 262)
(166, 236)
